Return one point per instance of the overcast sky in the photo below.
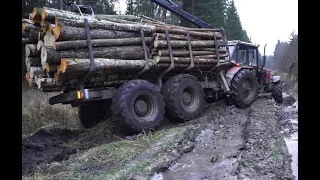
(266, 21)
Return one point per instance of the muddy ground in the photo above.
(224, 143)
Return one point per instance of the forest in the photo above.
(218, 13)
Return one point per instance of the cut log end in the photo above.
(56, 31)
(28, 79)
(43, 14)
(51, 26)
(56, 76)
(42, 23)
(47, 67)
(44, 29)
(34, 13)
(23, 26)
(63, 65)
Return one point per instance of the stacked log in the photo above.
(59, 57)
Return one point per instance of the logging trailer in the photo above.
(141, 103)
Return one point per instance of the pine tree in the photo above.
(233, 24)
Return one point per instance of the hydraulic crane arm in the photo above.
(170, 6)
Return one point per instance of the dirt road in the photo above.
(224, 143)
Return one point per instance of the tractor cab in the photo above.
(245, 54)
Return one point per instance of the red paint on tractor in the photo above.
(268, 76)
(234, 69)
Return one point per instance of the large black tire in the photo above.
(184, 97)
(94, 113)
(244, 86)
(138, 106)
(277, 93)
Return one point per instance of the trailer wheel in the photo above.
(138, 106)
(94, 113)
(244, 86)
(277, 93)
(184, 97)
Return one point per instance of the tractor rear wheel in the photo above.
(184, 97)
(277, 93)
(93, 113)
(244, 86)
(138, 106)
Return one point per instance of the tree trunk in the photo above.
(111, 17)
(32, 62)
(33, 34)
(79, 44)
(73, 67)
(26, 40)
(25, 34)
(28, 27)
(183, 44)
(185, 53)
(192, 33)
(66, 33)
(52, 68)
(51, 56)
(162, 36)
(182, 60)
(31, 50)
(95, 24)
(50, 15)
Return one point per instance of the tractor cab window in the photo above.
(242, 55)
(252, 57)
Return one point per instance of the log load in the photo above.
(57, 51)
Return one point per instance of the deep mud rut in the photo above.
(224, 143)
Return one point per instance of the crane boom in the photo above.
(170, 6)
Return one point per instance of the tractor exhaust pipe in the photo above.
(264, 56)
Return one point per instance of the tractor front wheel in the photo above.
(277, 93)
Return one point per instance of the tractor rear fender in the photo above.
(232, 71)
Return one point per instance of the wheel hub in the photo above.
(141, 107)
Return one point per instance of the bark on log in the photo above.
(52, 68)
(33, 34)
(182, 60)
(70, 67)
(32, 62)
(48, 84)
(51, 56)
(162, 36)
(25, 34)
(31, 50)
(79, 44)
(183, 44)
(123, 17)
(26, 40)
(28, 27)
(26, 21)
(184, 53)
(50, 15)
(96, 24)
(66, 33)
(40, 44)
(192, 33)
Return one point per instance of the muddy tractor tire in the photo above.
(244, 86)
(184, 97)
(138, 106)
(277, 93)
(94, 113)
